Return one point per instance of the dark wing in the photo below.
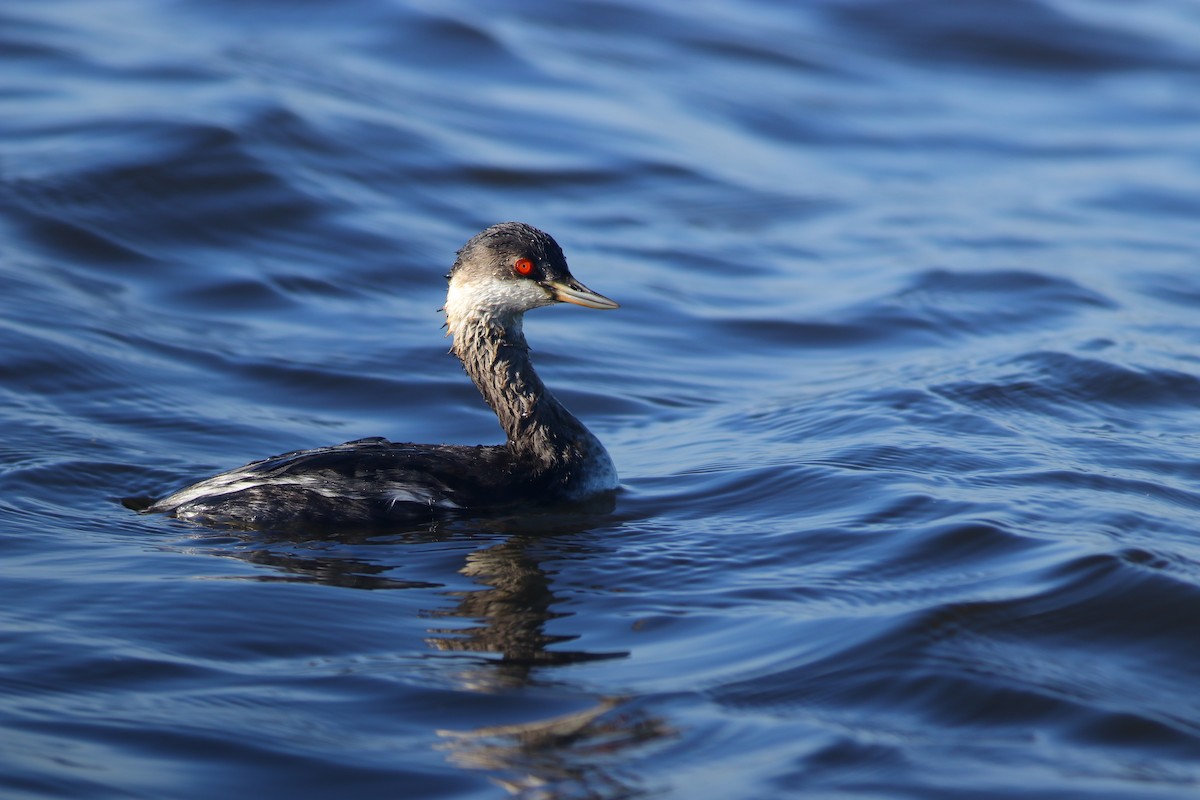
(368, 480)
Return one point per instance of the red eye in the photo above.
(523, 266)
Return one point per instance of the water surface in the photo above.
(903, 397)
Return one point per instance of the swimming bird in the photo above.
(549, 456)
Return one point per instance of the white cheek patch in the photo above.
(498, 300)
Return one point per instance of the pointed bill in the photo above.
(572, 291)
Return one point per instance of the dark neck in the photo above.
(494, 353)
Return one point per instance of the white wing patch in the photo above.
(413, 494)
(232, 482)
(216, 486)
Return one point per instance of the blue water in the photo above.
(903, 393)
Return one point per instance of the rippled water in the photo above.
(903, 395)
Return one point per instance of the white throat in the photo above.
(492, 302)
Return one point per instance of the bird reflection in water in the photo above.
(573, 755)
(561, 756)
(510, 615)
(505, 620)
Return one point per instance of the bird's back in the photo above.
(367, 481)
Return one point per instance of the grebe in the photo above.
(550, 456)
